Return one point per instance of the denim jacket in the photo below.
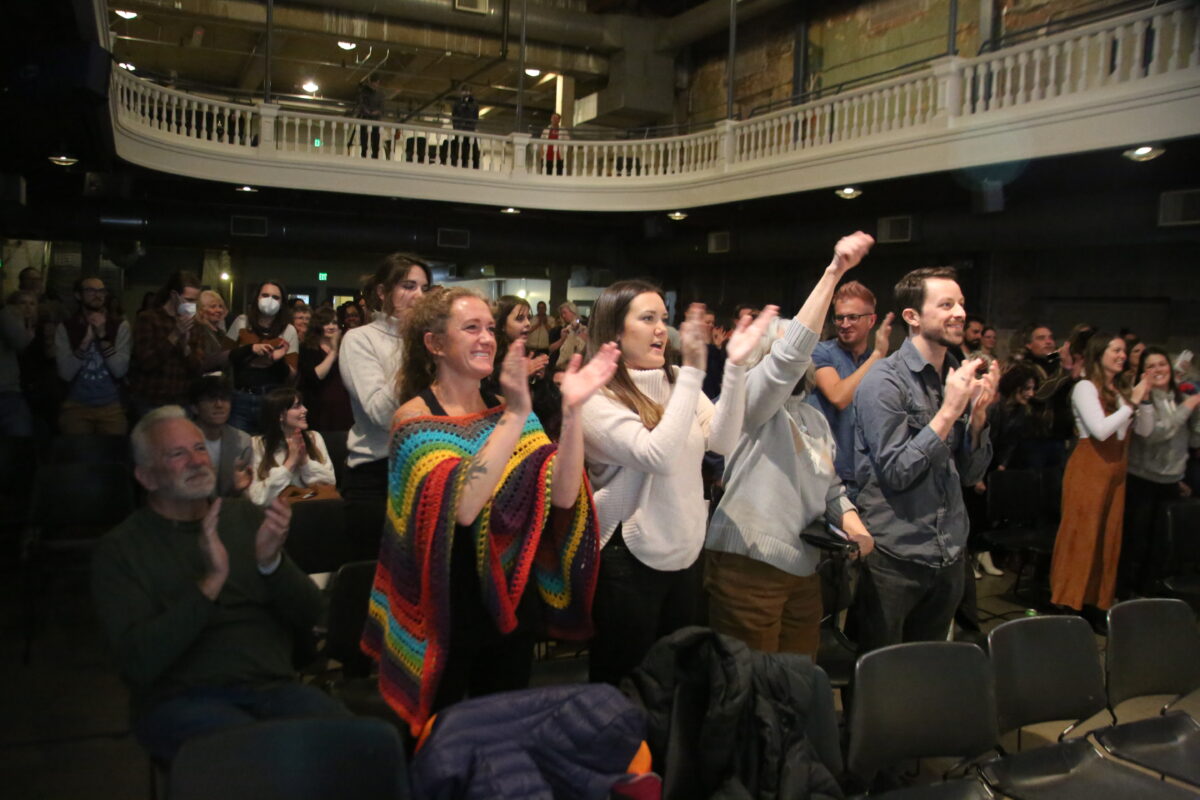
(911, 480)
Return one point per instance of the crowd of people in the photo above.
(519, 475)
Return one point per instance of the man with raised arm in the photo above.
(201, 606)
(920, 435)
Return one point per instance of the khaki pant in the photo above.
(768, 609)
(75, 418)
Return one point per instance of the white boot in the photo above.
(985, 561)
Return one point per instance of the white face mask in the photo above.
(268, 306)
(186, 309)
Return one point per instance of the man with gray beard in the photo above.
(200, 604)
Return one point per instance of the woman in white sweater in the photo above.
(645, 436)
(287, 453)
(759, 575)
(369, 361)
(1088, 545)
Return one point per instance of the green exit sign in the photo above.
(316, 142)
(322, 276)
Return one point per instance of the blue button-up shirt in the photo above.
(830, 354)
(910, 480)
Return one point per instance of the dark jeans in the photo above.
(903, 601)
(634, 606)
(245, 411)
(168, 725)
(1144, 547)
(364, 491)
(554, 166)
(368, 133)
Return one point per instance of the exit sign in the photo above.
(322, 276)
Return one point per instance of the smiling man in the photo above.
(920, 434)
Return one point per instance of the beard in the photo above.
(196, 483)
(944, 338)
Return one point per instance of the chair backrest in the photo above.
(316, 538)
(1183, 531)
(1014, 497)
(91, 448)
(1046, 668)
(335, 445)
(1153, 648)
(349, 596)
(918, 700)
(92, 496)
(354, 758)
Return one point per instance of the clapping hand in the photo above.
(268, 542)
(216, 557)
(747, 333)
(692, 341)
(581, 382)
(514, 380)
(883, 335)
(537, 364)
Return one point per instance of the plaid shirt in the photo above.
(162, 372)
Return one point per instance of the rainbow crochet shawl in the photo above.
(408, 623)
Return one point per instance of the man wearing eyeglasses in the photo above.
(92, 349)
(840, 364)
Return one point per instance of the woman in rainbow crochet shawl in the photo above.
(490, 533)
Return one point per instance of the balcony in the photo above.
(1126, 80)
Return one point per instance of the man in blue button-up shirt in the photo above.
(920, 434)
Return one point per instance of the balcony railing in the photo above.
(1091, 64)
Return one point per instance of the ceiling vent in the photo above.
(1181, 207)
(474, 6)
(718, 242)
(242, 225)
(457, 238)
(894, 230)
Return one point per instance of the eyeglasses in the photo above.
(851, 318)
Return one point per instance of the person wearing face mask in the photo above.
(265, 355)
(167, 352)
(1165, 427)
(324, 393)
(287, 453)
(369, 359)
(646, 434)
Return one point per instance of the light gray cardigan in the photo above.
(780, 478)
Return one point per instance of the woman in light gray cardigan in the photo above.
(780, 479)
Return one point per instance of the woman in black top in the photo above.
(265, 353)
(320, 379)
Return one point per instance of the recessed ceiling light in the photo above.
(125, 14)
(532, 72)
(678, 216)
(522, 293)
(310, 86)
(510, 210)
(1145, 152)
(848, 192)
(347, 45)
(224, 276)
(127, 65)
(63, 160)
(245, 189)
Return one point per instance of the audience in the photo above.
(780, 479)
(513, 325)
(265, 355)
(1084, 568)
(228, 447)
(510, 520)
(211, 326)
(921, 434)
(287, 453)
(572, 338)
(1013, 427)
(646, 435)
(349, 316)
(167, 351)
(201, 606)
(1051, 405)
(324, 393)
(301, 317)
(538, 340)
(18, 319)
(92, 351)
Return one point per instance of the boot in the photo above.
(985, 562)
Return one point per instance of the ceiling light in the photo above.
(245, 189)
(848, 192)
(1145, 152)
(126, 14)
(521, 293)
(224, 276)
(63, 160)
(678, 216)
(531, 72)
(347, 45)
(510, 210)
(127, 65)
(310, 86)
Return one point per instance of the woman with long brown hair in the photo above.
(326, 396)
(1088, 546)
(646, 436)
(489, 527)
(513, 324)
(265, 355)
(287, 453)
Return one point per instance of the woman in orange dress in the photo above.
(1088, 546)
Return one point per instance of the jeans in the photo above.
(245, 412)
(164, 728)
(634, 606)
(905, 601)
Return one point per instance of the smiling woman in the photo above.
(288, 453)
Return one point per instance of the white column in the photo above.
(267, 114)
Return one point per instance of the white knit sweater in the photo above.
(649, 480)
(369, 359)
